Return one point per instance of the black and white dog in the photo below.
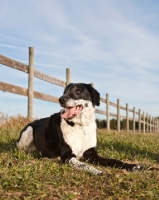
(71, 133)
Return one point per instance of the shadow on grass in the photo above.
(8, 146)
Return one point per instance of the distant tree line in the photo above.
(113, 124)
(102, 123)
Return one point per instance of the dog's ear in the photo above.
(94, 94)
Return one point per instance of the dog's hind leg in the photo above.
(26, 141)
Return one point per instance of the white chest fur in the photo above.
(79, 138)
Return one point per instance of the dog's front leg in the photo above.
(83, 166)
(68, 157)
(92, 156)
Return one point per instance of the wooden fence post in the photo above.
(127, 117)
(107, 112)
(155, 125)
(143, 122)
(68, 76)
(134, 119)
(118, 115)
(147, 116)
(150, 123)
(31, 83)
(139, 121)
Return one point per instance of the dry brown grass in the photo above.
(15, 122)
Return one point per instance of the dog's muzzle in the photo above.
(69, 111)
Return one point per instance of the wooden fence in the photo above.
(150, 124)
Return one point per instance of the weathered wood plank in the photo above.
(100, 112)
(118, 115)
(102, 100)
(107, 112)
(143, 122)
(112, 104)
(122, 107)
(130, 110)
(46, 97)
(23, 91)
(24, 68)
(68, 76)
(127, 116)
(134, 119)
(139, 120)
(13, 63)
(6, 87)
(49, 79)
(113, 115)
(31, 83)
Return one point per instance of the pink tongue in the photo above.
(71, 112)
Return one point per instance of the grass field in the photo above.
(28, 176)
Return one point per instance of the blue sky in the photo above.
(114, 44)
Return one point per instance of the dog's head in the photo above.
(77, 97)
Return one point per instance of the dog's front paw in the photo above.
(137, 168)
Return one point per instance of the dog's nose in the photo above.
(62, 100)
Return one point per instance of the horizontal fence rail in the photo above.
(24, 91)
(25, 68)
(146, 123)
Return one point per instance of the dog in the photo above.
(71, 133)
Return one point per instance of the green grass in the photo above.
(28, 176)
